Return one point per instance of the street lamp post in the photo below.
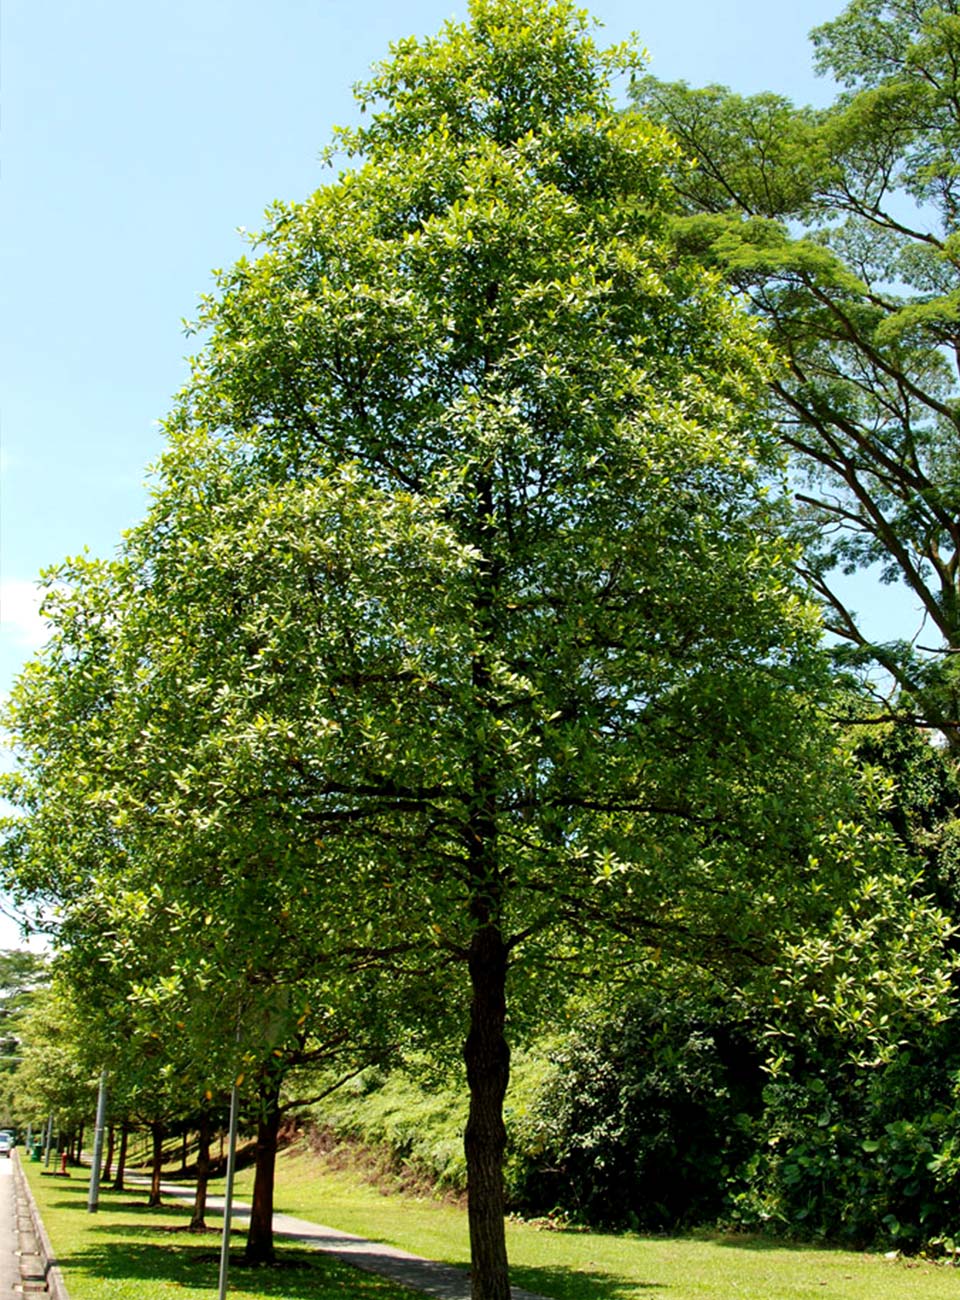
(228, 1195)
(93, 1198)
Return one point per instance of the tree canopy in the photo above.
(839, 227)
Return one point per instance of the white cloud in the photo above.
(20, 614)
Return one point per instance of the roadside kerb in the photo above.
(49, 1268)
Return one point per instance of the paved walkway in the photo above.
(442, 1281)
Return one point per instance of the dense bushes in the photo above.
(864, 1156)
(643, 1121)
(661, 1118)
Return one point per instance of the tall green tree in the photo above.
(59, 1068)
(839, 227)
(181, 926)
(23, 976)
(466, 513)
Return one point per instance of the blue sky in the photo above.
(136, 139)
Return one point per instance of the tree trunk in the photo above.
(259, 1249)
(156, 1133)
(108, 1156)
(78, 1158)
(121, 1157)
(199, 1221)
(485, 1051)
(487, 1058)
(184, 1151)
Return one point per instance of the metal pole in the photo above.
(228, 1195)
(93, 1198)
(49, 1142)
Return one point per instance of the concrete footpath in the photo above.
(442, 1281)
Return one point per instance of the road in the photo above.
(9, 1265)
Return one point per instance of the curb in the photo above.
(53, 1277)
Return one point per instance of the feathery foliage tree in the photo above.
(840, 227)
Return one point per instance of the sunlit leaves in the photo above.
(838, 227)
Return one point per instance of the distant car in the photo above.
(6, 1144)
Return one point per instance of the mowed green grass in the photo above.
(128, 1252)
(605, 1266)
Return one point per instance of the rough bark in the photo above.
(259, 1248)
(198, 1220)
(156, 1135)
(487, 1058)
(486, 1053)
(121, 1158)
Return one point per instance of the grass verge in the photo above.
(129, 1252)
(573, 1265)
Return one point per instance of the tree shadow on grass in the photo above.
(561, 1282)
(116, 1203)
(130, 1200)
(71, 1192)
(757, 1241)
(175, 1231)
(298, 1274)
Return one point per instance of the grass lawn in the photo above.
(128, 1252)
(600, 1266)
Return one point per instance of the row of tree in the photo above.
(462, 655)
